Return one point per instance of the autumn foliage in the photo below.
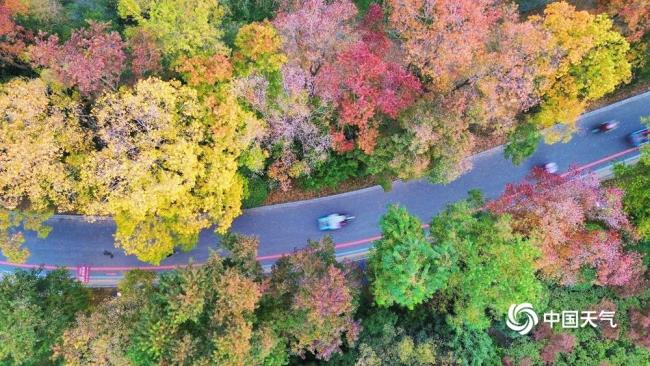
(632, 15)
(166, 114)
(314, 31)
(13, 37)
(170, 115)
(313, 301)
(640, 330)
(202, 69)
(92, 59)
(557, 209)
(363, 84)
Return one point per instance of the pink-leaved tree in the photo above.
(557, 209)
(91, 60)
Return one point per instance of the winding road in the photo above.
(79, 245)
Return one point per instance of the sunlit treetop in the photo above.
(168, 168)
(313, 31)
(181, 27)
(42, 145)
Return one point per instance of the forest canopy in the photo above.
(172, 115)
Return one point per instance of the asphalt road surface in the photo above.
(76, 243)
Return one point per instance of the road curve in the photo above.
(76, 243)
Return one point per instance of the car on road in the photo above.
(551, 167)
(640, 137)
(606, 127)
(334, 221)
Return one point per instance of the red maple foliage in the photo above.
(639, 332)
(363, 84)
(92, 59)
(372, 30)
(615, 267)
(145, 54)
(13, 37)
(632, 15)
(554, 343)
(557, 209)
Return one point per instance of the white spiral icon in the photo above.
(513, 314)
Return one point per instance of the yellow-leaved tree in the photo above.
(258, 49)
(180, 27)
(168, 166)
(42, 145)
(594, 62)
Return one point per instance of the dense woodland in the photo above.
(423, 297)
(172, 115)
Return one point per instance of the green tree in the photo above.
(35, 309)
(405, 269)
(247, 11)
(496, 266)
(522, 142)
(331, 172)
(475, 347)
(591, 345)
(635, 181)
(434, 142)
(136, 283)
(61, 17)
(206, 315)
(387, 340)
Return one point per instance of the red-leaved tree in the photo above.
(312, 296)
(13, 37)
(554, 343)
(363, 83)
(633, 16)
(145, 55)
(557, 209)
(639, 332)
(91, 60)
(314, 31)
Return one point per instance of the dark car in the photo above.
(640, 137)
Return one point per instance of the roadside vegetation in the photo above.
(169, 115)
(424, 297)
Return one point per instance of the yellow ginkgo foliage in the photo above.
(40, 140)
(594, 62)
(168, 168)
(41, 147)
